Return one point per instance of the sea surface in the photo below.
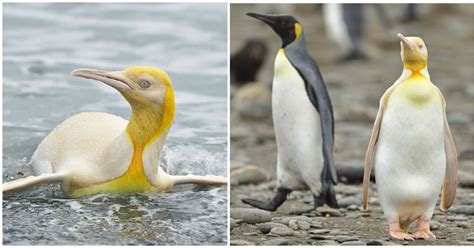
(42, 44)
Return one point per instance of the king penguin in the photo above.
(302, 117)
(411, 148)
(93, 152)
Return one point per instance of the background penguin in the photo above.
(245, 63)
(345, 24)
(302, 118)
(94, 152)
(412, 148)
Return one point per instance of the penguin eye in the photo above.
(144, 84)
(420, 46)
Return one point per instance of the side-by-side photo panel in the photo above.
(115, 124)
(351, 124)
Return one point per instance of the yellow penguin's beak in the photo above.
(408, 43)
(115, 79)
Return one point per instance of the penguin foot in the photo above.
(398, 234)
(259, 204)
(424, 234)
(423, 229)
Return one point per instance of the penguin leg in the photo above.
(397, 233)
(276, 202)
(423, 229)
(27, 182)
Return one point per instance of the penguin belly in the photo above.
(410, 158)
(78, 146)
(297, 130)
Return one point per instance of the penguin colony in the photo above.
(411, 145)
(91, 153)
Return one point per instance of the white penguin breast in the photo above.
(297, 128)
(85, 144)
(410, 158)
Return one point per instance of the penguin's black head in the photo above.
(286, 26)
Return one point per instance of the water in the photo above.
(42, 44)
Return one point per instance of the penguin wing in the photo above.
(319, 97)
(451, 177)
(369, 155)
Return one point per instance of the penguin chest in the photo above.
(410, 158)
(297, 125)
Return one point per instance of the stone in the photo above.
(348, 201)
(250, 215)
(276, 241)
(316, 224)
(248, 174)
(375, 242)
(233, 223)
(471, 238)
(328, 211)
(286, 220)
(337, 232)
(463, 209)
(463, 225)
(293, 224)
(321, 237)
(319, 231)
(352, 208)
(345, 238)
(435, 225)
(240, 242)
(282, 231)
(303, 225)
(355, 243)
(267, 227)
(253, 101)
(456, 218)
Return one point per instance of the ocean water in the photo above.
(42, 44)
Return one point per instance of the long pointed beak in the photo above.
(116, 79)
(270, 20)
(406, 41)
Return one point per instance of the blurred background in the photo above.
(42, 44)
(357, 72)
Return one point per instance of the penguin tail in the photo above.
(28, 182)
(203, 180)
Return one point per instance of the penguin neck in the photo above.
(408, 73)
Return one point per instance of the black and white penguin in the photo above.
(302, 118)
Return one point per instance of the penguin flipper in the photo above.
(27, 182)
(278, 199)
(448, 193)
(370, 154)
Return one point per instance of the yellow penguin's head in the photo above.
(414, 53)
(142, 86)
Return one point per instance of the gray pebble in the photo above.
(435, 225)
(319, 231)
(463, 209)
(316, 224)
(352, 208)
(250, 215)
(375, 242)
(267, 227)
(303, 225)
(321, 237)
(282, 231)
(346, 202)
(286, 220)
(249, 174)
(240, 242)
(345, 238)
(276, 241)
(466, 243)
(354, 243)
(463, 225)
(337, 232)
(328, 211)
(471, 238)
(456, 218)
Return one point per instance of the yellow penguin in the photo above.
(412, 148)
(90, 153)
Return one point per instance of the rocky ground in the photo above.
(355, 89)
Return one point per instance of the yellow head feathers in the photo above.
(414, 53)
